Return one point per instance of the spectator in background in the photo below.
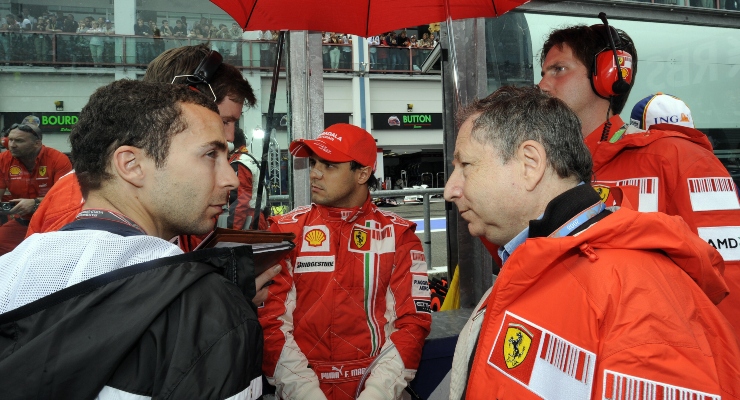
(334, 52)
(166, 29)
(143, 47)
(236, 34)
(27, 172)
(346, 52)
(372, 43)
(96, 43)
(179, 29)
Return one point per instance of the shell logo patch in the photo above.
(603, 192)
(15, 170)
(360, 239)
(315, 237)
(517, 343)
(42, 170)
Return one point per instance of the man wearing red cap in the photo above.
(349, 311)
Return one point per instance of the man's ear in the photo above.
(364, 175)
(533, 159)
(127, 164)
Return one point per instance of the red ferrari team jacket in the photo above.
(622, 310)
(354, 290)
(676, 173)
(50, 165)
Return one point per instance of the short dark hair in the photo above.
(239, 138)
(586, 42)
(145, 115)
(372, 182)
(228, 81)
(512, 115)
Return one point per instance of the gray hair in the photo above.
(512, 115)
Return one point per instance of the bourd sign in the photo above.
(51, 122)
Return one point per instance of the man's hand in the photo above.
(23, 206)
(262, 282)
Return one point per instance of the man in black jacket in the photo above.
(108, 307)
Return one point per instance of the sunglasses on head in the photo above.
(27, 128)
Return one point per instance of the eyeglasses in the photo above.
(27, 128)
(192, 80)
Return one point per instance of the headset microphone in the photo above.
(612, 68)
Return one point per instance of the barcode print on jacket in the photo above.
(567, 358)
(713, 194)
(625, 387)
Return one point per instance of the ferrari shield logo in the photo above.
(603, 192)
(42, 171)
(359, 237)
(517, 344)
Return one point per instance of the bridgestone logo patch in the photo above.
(314, 264)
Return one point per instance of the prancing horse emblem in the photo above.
(517, 344)
(360, 237)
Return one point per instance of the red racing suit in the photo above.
(354, 290)
(623, 310)
(50, 165)
(677, 174)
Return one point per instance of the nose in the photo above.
(315, 173)
(453, 187)
(544, 84)
(227, 176)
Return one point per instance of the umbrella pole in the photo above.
(268, 131)
(453, 50)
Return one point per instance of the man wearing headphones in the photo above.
(592, 68)
(29, 169)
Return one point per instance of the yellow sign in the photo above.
(516, 346)
(603, 192)
(42, 171)
(15, 170)
(360, 238)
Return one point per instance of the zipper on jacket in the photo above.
(589, 252)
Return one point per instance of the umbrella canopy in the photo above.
(358, 17)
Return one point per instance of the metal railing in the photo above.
(103, 50)
(426, 193)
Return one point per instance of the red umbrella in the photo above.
(358, 17)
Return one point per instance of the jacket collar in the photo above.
(338, 214)
(563, 208)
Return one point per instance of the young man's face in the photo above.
(486, 191)
(565, 77)
(186, 195)
(335, 184)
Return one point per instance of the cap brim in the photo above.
(306, 147)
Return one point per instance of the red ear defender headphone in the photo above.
(611, 73)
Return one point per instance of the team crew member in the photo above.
(590, 303)
(243, 200)
(28, 171)
(120, 310)
(352, 300)
(674, 169)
